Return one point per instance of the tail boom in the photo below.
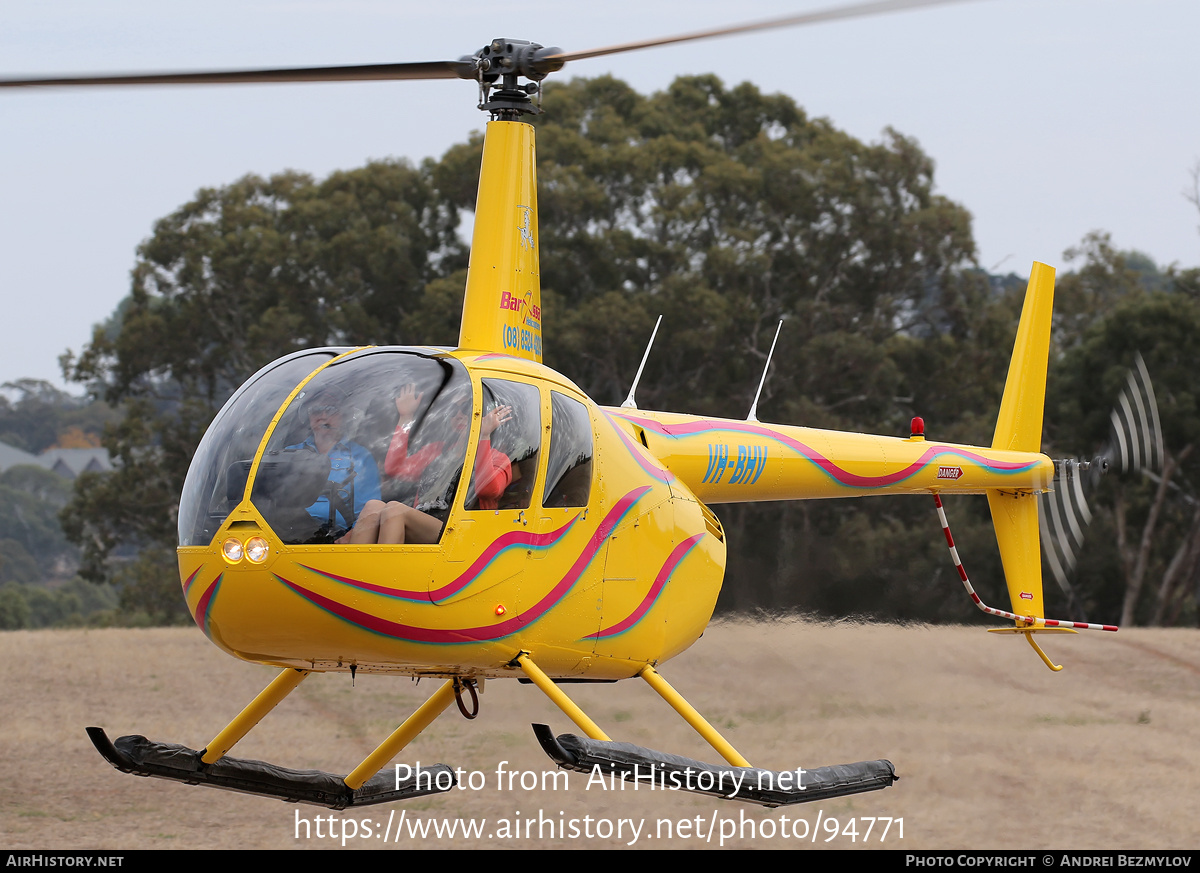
(726, 461)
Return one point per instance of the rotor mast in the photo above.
(502, 308)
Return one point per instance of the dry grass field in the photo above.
(993, 750)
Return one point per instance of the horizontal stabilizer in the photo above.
(649, 770)
(143, 757)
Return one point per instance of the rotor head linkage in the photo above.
(506, 61)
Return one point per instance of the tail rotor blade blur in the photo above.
(1136, 438)
(1135, 444)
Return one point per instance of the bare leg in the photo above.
(420, 527)
(366, 528)
(391, 525)
(403, 524)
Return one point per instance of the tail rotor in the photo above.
(1135, 444)
(1135, 426)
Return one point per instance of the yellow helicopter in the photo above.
(470, 514)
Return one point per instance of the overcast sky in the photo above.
(1046, 118)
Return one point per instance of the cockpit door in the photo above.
(498, 517)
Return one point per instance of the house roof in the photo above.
(11, 456)
(66, 462)
(72, 462)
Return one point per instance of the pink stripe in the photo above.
(487, 632)
(204, 602)
(654, 469)
(660, 581)
(505, 541)
(187, 583)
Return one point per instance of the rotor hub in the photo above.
(500, 65)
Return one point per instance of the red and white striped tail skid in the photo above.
(1026, 620)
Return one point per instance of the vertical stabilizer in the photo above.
(502, 310)
(1019, 428)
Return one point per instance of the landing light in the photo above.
(232, 549)
(256, 549)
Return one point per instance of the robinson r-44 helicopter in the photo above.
(470, 514)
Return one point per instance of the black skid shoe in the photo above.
(143, 757)
(651, 770)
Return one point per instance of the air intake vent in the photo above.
(713, 523)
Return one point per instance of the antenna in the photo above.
(629, 404)
(753, 416)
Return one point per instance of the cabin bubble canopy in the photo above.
(261, 442)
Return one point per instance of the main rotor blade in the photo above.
(858, 10)
(464, 68)
(353, 73)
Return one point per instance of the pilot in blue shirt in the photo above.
(346, 457)
(352, 468)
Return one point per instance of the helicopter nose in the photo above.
(246, 545)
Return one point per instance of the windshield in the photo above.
(339, 443)
(380, 425)
(216, 479)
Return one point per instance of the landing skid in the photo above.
(143, 757)
(366, 784)
(597, 754)
(649, 769)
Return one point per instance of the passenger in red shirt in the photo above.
(396, 522)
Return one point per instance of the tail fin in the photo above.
(1015, 512)
(1019, 428)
